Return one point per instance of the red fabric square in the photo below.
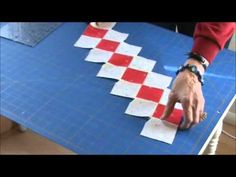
(159, 111)
(120, 59)
(135, 76)
(150, 93)
(175, 117)
(108, 45)
(95, 32)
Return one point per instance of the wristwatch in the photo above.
(199, 58)
(193, 69)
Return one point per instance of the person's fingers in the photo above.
(196, 111)
(169, 107)
(188, 114)
(196, 116)
(202, 117)
(201, 111)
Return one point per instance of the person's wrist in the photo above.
(197, 64)
(194, 75)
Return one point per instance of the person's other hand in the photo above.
(188, 91)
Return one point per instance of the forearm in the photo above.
(210, 38)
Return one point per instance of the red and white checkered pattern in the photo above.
(109, 40)
(138, 89)
(135, 78)
(92, 32)
(118, 59)
(139, 86)
(155, 101)
(148, 101)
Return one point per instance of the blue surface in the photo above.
(53, 91)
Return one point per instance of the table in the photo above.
(51, 89)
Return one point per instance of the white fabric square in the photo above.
(164, 97)
(87, 42)
(159, 130)
(141, 108)
(115, 36)
(98, 56)
(141, 63)
(125, 89)
(157, 80)
(178, 106)
(128, 49)
(111, 71)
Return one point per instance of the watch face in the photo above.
(194, 68)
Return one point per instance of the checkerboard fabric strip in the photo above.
(135, 79)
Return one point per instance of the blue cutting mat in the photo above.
(53, 91)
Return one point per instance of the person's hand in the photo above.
(188, 91)
(103, 25)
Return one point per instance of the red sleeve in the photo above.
(210, 38)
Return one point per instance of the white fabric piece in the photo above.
(159, 130)
(157, 80)
(111, 71)
(141, 63)
(125, 89)
(128, 49)
(178, 106)
(115, 36)
(164, 97)
(87, 42)
(141, 108)
(98, 56)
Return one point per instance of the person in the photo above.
(209, 39)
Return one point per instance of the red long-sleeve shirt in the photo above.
(210, 38)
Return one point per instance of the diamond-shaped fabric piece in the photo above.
(135, 76)
(87, 42)
(159, 130)
(115, 36)
(141, 63)
(141, 108)
(120, 59)
(111, 71)
(125, 89)
(150, 93)
(108, 45)
(98, 56)
(157, 80)
(128, 49)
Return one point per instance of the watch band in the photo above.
(199, 58)
(193, 69)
